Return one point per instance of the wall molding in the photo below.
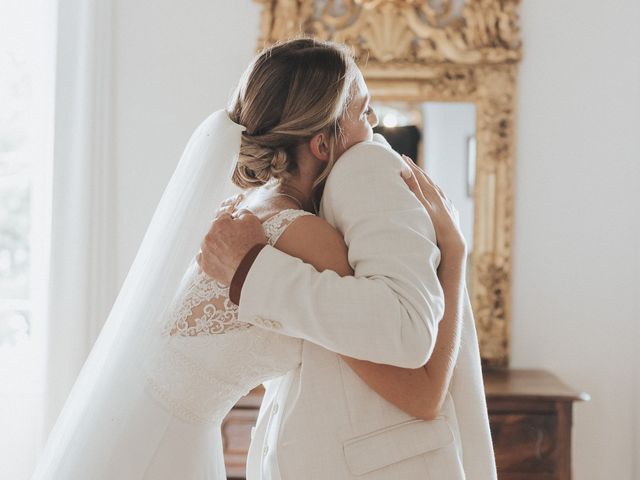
(82, 270)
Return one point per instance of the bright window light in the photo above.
(26, 112)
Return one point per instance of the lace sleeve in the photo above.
(276, 225)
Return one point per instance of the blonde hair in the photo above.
(292, 91)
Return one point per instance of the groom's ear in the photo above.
(319, 146)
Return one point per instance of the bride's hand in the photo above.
(443, 213)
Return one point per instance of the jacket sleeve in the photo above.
(388, 312)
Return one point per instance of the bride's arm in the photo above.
(420, 392)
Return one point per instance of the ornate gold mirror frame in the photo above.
(426, 50)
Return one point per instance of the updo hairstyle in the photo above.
(291, 91)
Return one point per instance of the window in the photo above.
(26, 112)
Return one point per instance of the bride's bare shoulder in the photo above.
(313, 240)
(264, 204)
(308, 237)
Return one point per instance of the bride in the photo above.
(173, 357)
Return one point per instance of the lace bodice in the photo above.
(205, 307)
(212, 358)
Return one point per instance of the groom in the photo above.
(321, 421)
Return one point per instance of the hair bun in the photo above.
(257, 163)
(283, 100)
(279, 161)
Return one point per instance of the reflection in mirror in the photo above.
(440, 137)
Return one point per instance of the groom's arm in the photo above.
(389, 310)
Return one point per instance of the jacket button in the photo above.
(265, 450)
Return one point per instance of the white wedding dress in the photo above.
(210, 361)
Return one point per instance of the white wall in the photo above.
(576, 258)
(577, 212)
(174, 63)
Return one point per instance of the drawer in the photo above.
(525, 444)
(236, 437)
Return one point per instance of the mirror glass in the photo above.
(440, 137)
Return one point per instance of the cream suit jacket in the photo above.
(321, 421)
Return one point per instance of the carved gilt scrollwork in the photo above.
(427, 50)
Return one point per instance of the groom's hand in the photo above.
(228, 241)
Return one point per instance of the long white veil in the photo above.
(112, 379)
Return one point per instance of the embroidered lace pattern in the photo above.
(276, 225)
(205, 307)
(211, 358)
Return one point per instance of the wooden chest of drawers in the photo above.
(530, 414)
